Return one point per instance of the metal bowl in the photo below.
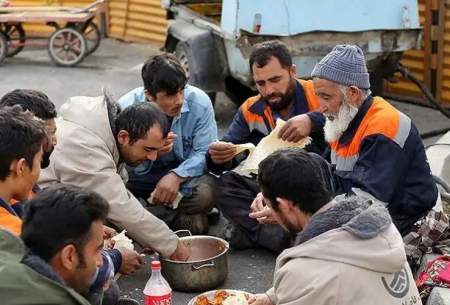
(206, 268)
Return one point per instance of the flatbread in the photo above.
(174, 204)
(122, 241)
(268, 145)
(243, 147)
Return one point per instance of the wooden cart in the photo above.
(75, 35)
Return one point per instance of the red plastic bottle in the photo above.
(157, 291)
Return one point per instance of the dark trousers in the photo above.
(192, 210)
(235, 195)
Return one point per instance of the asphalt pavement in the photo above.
(116, 68)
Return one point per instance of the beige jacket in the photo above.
(361, 262)
(87, 156)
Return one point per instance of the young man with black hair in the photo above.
(58, 259)
(180, 166)
(96, 140)
(347, 250)
(22, 137)
(40, 105)
(281, 95)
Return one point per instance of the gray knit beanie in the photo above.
(344, 65)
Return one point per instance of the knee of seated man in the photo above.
(204, 194)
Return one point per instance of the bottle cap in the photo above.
(156, 265)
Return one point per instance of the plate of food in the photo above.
(221, 297)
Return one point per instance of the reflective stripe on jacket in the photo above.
(381, 153)
(254, 120)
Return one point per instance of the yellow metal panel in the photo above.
(137, 20)
(413, 60)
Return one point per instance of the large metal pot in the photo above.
(206, 268)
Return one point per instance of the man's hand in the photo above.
(262, 213)
(168, 144)
(260, 299)
(182, 252)
(296, 128)
(221, 152)
(167, 189)
(258, 203)
(108, 232)
(131, 261)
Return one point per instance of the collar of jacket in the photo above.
(40, 266)
(348, 135)
(300, 102)
(361, 217)
(7, 207)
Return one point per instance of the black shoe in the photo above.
(213, 217)
(237, 238)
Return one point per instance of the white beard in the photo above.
(334, 129)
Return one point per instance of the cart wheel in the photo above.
(67, 47)
(15, 37)
(92, 35)
(3, 47)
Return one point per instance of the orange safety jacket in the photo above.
(255, 119)
(381, 153)
(11, 215)
(9, 220)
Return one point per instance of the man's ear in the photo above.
(68, 257)
(150, 97)
(285, 205)
(123, 137)
(354, 94)
(293, 71)
(18, 167)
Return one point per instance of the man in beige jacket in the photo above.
(347, 252)
(95, 141)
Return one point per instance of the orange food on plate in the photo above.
(222, 297)
(202, 300)
(219, 297)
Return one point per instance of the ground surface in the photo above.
(116, 67)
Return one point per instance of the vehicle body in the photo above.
(213, 39)
(75, 35)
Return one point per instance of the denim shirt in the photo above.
(195, 128)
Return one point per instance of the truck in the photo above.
(213, 39)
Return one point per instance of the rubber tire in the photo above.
(92, 44)
(3, 47)
(57, 60)
(22, 38)
(376, 83)
(181, 52)
(185, 58)
(237, 92)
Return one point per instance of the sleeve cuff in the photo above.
(116, 258)
(271, 294)
(317, 118)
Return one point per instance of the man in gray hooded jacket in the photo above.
(347, 250)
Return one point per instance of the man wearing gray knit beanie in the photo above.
(374, 148)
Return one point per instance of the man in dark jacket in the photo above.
(375, 148)
(281, 96)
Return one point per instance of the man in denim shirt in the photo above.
(181, 165)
